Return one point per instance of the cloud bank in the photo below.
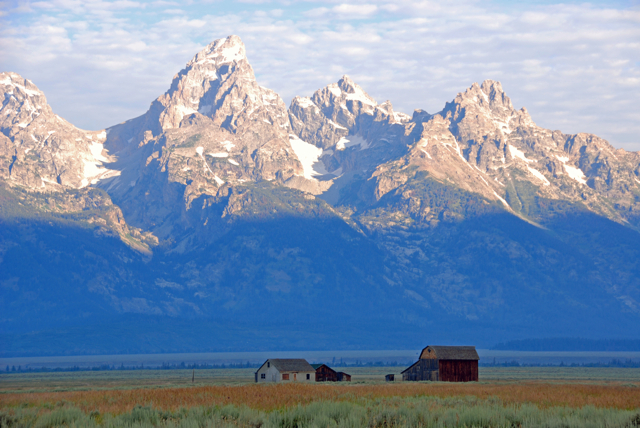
(576, 67)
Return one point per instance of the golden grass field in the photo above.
(119, 392)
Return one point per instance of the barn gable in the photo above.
(450, 353)
(445, 363)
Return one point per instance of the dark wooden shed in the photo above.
(446, 364)
(324, 373)
(344, 377)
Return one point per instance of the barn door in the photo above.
(295, 376)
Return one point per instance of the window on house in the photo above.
(263, 376)
(308, 376)
(268, 364)
(285, 376)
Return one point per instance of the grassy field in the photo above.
(503, 397)
(92, 380)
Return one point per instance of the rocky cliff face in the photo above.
(214, 129)
(221, 204)
(39, 149)
(47, 165)
(481, 144)
(346, 134)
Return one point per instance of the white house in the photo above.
(283, 370)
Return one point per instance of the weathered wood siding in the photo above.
(326, 374)
(458, 370)
(422, 370)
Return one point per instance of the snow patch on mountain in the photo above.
(309, 156)
(351, 141)
(576, 174)
(502, 200)
(93, 170)
(228, 145)
(305, 102)
(335, 90)
(502, 125)
(331, 122)
(360, 95)
(232, 53)
(401, 117)
(517, 153)
(539, 175)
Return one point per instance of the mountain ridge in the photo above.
(221, 204)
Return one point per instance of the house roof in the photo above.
(291, 365)
(453, 352)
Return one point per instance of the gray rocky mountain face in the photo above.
(213, 130)
(227, 203)
(39, 149)
(50, 164)
(481, 144)
(351, 133)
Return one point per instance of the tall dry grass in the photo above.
(279, 396)
(409, 412)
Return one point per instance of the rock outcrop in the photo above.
(41, 150)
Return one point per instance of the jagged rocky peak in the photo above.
(214, 127)
(222, 51)
(39, 149)
(219, 84)
(22, 103)
(489, 92)
(336, 111)
(345, 93)
(485, 110)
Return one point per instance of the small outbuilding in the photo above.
(324, 373)
(279, 370)
(344, 377)
(445, 364)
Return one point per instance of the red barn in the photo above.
(446, 364)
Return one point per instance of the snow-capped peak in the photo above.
(221, 51)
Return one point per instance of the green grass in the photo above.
(384, 412)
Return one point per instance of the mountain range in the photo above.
(221, 220)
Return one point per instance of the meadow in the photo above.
(549, 396)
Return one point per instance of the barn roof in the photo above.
(410, 367)
(291, 365)
(453, 352)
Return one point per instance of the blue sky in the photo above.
(574, 65)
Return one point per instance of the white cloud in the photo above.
(576, 67)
